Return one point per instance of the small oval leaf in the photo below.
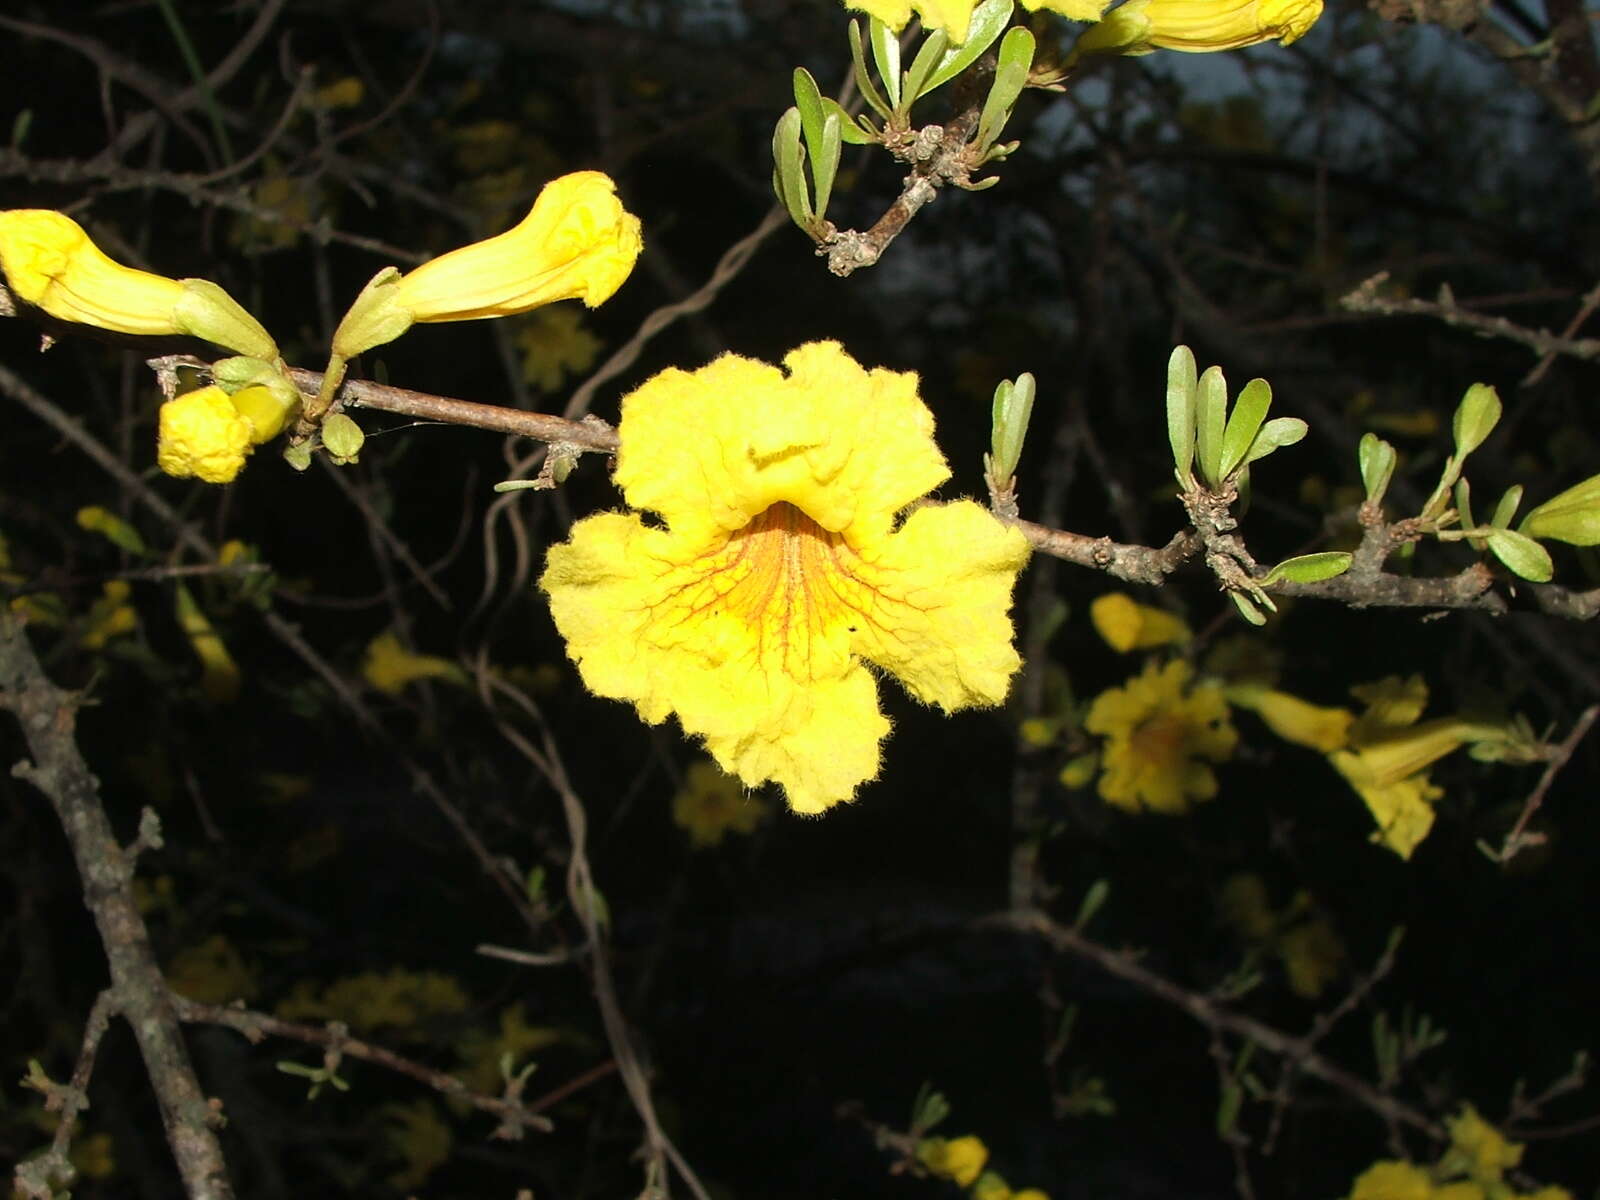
(1180, 410)
(1522, 555)
(1211, 408)
(1309, 568)
(1476, 416)
(1249, 411)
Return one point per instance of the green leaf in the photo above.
(1275, 435)
(1013, 405)
(825, 162)
(989, 20)
(1093, 900)
(1573, 516)
(808, 100)
(1476, 416)
(869, 90)
(1377, 459)
(916, 78)
(1180, 411)
(1504, 511)
(851, 128)
(1247, 610)
(1522, 555)
(1211, 409)
(1249, 411)
(1010, 77)
(789, 182)
(1309, 568)
(886, 53)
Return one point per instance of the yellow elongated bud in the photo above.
(219, 674)
(577, 243)
(202, 435)
(1198, 26)
(50, 262)
(1126, 625)
(1293, 719)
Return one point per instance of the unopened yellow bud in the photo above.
(577, 243)
(201, 434)
(266, 409)
(49, 261)
(1125, 624)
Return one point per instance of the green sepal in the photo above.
(1211, 409)
(1249, 411)
(1180, 412)
(1521, 555)
(342, 438)
(1309, 568)
(206, 311)
(1573, 516)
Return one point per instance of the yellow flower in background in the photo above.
(1389, 753)
(712, 804)
(554, 345)
(399, 1001)
(213, 972)
(390, 667)
(481, 1052)
(50, 261)
(952, 16)
(1293, 719)
(577, 243)
(1479, 1149)
(1197, 26)
(110, 616)
(991, 1186)
(418, 1135)
(219, 674)
(959, 1159)
(201, 435)
(784, 569)
(1305, 942)
(1126, 625)
(1158, 730)
(1393, 1181)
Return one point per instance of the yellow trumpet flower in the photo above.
(50, 262)
(577, 243)
(784, 567)
(1197, 26)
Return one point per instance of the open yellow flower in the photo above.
(952, 16)
(50, 262)
(577, 243)
(1157, 731)
(1197, 26)
(782, 572)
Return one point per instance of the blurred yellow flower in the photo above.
(1126, 625)
(50, 261)
(109, 617)
(555, 344)
(958, 1159)
(1309, 947)
(712, 804)
(482, 1052)
(1293, 719)
(417, 1133)
(219, 674)
(1479, 1149)
(390, 667)
(398, 1001)
(1389, 753)
(211, 973)
(577, 243)
(1157, 731)
(784, 568)
(1393, 1181)
(993, 1187)
(200, 434)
